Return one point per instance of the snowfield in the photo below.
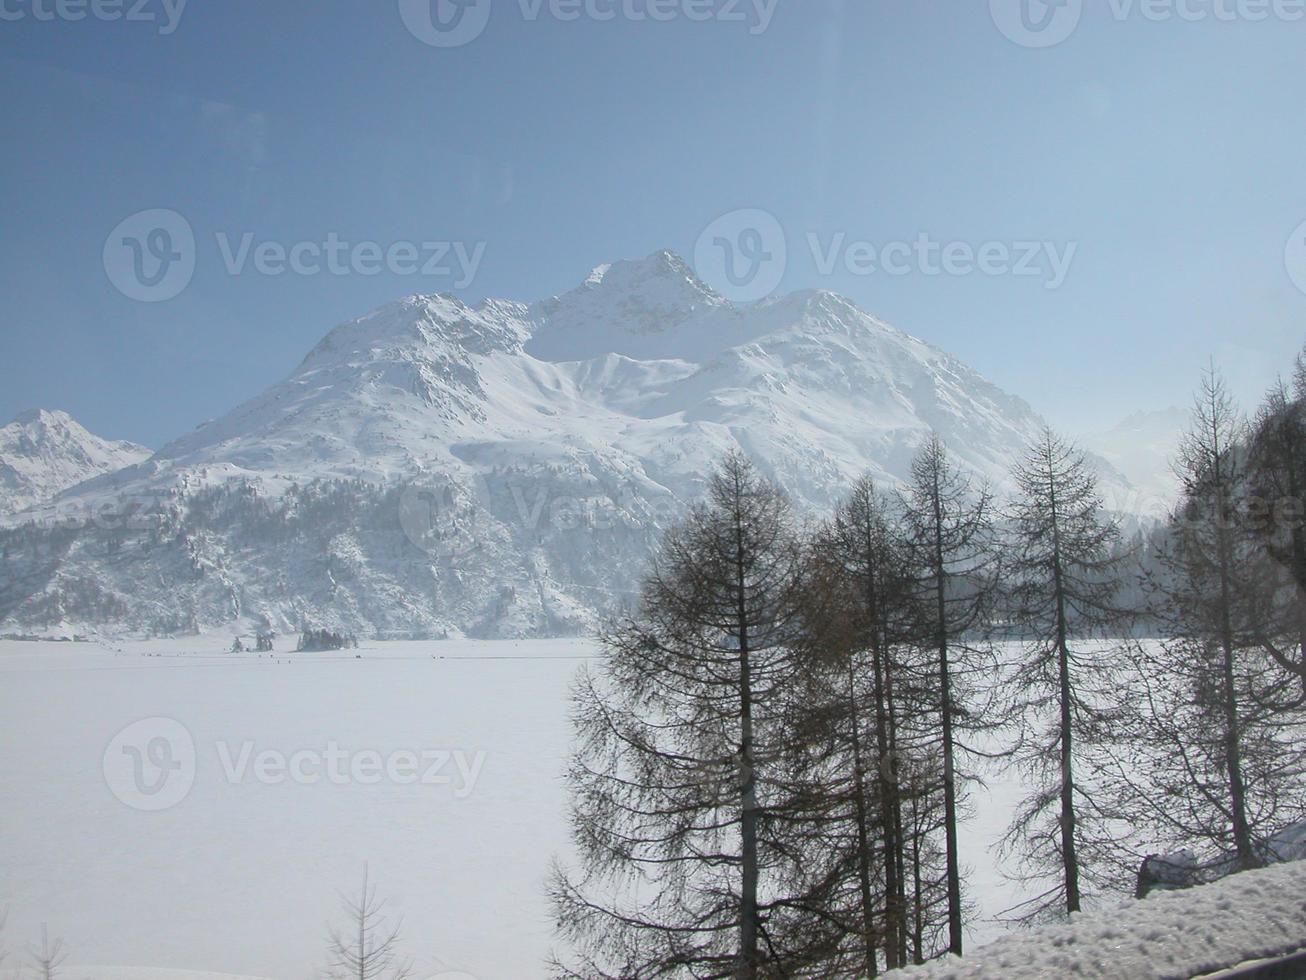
(242, 873)
(243, 877)
(1250, 916)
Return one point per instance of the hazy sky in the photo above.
(1161, 149)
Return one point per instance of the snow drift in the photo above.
(1177, 934)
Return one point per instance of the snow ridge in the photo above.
(547, 444)
(43, 453)
(1169, 935)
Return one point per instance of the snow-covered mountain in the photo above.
(1143, 447)
(43, 453)
(504, 468)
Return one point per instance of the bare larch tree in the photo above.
(368, 948)
(1277, 488)
(679, 778)
(1218, 728)
(951, 541)
(49, 957)
(1063, 571)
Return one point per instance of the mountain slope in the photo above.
(43, 453)
(1143, 448)
(505, 468)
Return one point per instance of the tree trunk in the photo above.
(899, 858)
(918, 933)
(869, 938)
(748, 791)
(879, 650)
(1242, 837)
(945, 696)
(1069, 855)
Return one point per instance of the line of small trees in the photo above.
(316, 640)
(772, 762)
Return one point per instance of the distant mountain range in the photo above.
(1143, 448)
(43, 453)
(500, 469)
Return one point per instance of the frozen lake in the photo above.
(166, 805)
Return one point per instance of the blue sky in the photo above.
(1170, 152)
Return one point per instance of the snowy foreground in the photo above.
(153, 817)
(1251, 916)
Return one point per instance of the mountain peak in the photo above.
(44, 416)
(44, 452)
(633, 307)
(663, 264)
(662, 281)
(422, 326)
